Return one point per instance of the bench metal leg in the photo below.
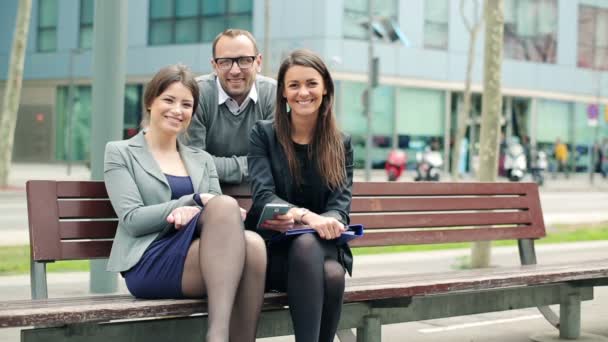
(346, 335)
(570, 314)
(527, 256)
(371, 330)
(38, 280)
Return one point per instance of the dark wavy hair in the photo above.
(327, 144)
(162, 80)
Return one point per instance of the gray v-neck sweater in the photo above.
(224, 135)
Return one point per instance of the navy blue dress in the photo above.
(158, 274)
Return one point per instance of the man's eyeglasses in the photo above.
(244, 62)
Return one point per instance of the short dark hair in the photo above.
(162, 80)
(232, 33)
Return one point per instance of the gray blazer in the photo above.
(141, 196)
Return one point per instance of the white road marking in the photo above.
(478, 324)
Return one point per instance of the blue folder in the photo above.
(352, 232)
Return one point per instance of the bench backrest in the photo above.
(71, 220)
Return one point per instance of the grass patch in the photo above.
(16, 259)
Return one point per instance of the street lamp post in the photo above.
(369, 91)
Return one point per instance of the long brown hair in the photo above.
(326, 144)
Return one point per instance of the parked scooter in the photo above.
(395, 164)
(515, 160)
(538, 168)
(429, 164)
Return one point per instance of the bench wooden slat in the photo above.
(80, 250)
(437, 204)
(80, 310)
(87, 229)
(387, 221)
(86, 209)
(43, 224)
(376, 205)
(441, 189)
(83, 189)
(393, 238)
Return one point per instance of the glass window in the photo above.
(553, 121)
(192, 21)
(160, 9)
(356, 16)
(593, 37)
(530, 30)
(186, 31)
(415, 104)
(213, 7)
(186, 8)
(211, 27)
(237, 6)
(353, 120)
(436, 17)
(85, 38)
(47, 26)
(161, 32)
(73, 125)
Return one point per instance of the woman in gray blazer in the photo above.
(177, 236)
(303, 160)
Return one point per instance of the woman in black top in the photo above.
(303, 160)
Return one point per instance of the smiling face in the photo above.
(236, 81)
(171, 111)
(304, 90)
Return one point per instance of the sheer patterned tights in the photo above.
(228, 264)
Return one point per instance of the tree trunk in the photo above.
(464, 112)
(491, 110)
(12, 92)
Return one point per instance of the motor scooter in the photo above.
(538, 168)
(515, 161)
(395, 164)
(428, 165)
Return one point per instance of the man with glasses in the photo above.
(231, 101)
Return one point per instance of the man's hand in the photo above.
(179, 217)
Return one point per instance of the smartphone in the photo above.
(271, 210)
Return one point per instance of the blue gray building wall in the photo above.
(318, 25)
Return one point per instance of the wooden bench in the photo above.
(75, 220)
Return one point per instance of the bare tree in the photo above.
(473, 27)
(491, 111)
(12, 92)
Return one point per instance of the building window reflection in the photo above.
(436, 18)
(193, 21)
(355, 16)
(85, 35)
(47, 26)
(530, 31)
(593, 37)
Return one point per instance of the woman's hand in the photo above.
(281, 223)
(243, 214)
(328, 228)
(206, 197)
(179, 217)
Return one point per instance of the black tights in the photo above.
(315, 287)
(228, 265)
